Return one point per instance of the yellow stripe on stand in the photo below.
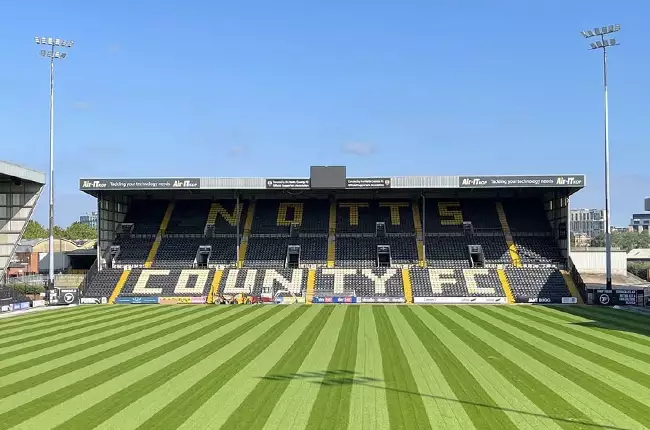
(512, 248)
(215, 285)
(408, 289)
(419, 239)
(118, 287)
(212, 215)
(568, 280)
(161, 231)
(331, 240)
(248, 225)
(506, 286)
(311, 285)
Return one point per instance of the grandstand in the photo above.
(446, 239)
(20, 189)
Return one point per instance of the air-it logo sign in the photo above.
(94, 184)
(184, 184)
(568, 180)
(473, 182)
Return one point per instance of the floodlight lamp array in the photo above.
(51, 41)
(601, 31)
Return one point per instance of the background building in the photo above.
(89, 219)
(587, 223)
(641, 222)
(20, 189)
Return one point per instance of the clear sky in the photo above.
(268, 88)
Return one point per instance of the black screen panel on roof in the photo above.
(331, 177)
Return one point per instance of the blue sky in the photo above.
(257, 88)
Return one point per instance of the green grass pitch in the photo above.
(325, 367)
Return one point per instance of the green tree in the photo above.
(34, 230)
(625, 240)
(79, 231)
(59, 233)
(639, 269)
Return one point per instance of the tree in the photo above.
(79, 231)
(58, 232)
(639, 269)
(625, 240)
(34, 230)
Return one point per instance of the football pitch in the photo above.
(326, 367)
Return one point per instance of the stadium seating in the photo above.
(168, 282)
(526, 216)
(452, 251)
(263, 282)
(146, 215)
(447, 216)
(103, 283)
(276, 216)
(362, 216)
(266, 236)
(133, 250)
(537, 250)
(456, 283)
(537, 285)
(188, 217)
(377, 282)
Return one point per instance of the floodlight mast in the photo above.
(604, 44)
(51, 45)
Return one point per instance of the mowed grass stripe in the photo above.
(590, 405)
(635, 363)
(128, 393)
(546, 399)
(295, 406)
(42, 404)
(405, 406)
(104, 390)
(269, 390)
(332, 406)
(147, 406)
(185, 405)
(600, 318)
(39, 319)
(608, 338)
(521, 411)
(33, 358)
(620, 313)
(157, 328)
(623, 377)
(478, 404)
(44, 337)
(608, 394)
(443, 408)
(368, 406)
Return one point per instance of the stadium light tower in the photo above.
(604, 44)
(51, 50)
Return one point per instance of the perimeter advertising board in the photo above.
(367, 183)
(521, 181)
(139, 184)
(137, 300)
(287, 184)
(618, 297)
(334, 300)
(460, 300)
(182, 300)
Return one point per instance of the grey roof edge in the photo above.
(21, 172)
(403, 182)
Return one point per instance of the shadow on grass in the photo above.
(621, 320)
(348, 377)
(326, 377)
